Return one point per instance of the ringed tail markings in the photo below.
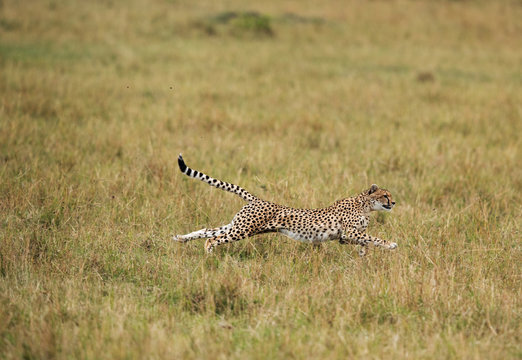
(245, 195)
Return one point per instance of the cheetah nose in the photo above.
(393, 202)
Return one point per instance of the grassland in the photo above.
(307, 105)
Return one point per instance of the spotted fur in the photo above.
(345, 220)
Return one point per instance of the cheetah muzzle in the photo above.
(345, 220)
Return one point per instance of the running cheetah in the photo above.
(345, 220)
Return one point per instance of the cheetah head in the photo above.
(380, 199)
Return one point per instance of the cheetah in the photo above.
(345, 220)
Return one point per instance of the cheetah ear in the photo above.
(372, 189)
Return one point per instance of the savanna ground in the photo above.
(302, 103)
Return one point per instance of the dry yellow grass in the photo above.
(98, 98)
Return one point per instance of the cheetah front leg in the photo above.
(203, 233)
(363, 239)
(344, 239)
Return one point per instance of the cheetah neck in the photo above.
(366, 204)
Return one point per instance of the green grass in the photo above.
(98, 98)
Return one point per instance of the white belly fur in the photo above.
(307, 238)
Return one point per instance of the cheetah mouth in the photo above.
(387, 207)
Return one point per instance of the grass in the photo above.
(98, 98)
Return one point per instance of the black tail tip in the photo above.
(181, 163)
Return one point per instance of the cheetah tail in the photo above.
(214, 182)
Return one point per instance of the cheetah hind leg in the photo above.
(231, 236)
(215, 241)
(203, 233)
